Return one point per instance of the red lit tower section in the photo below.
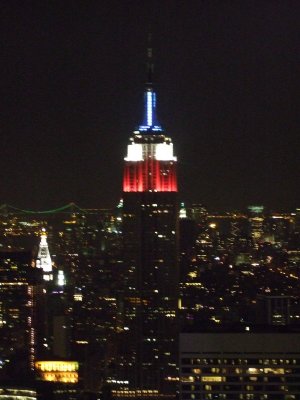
(150, 165)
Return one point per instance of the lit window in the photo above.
(213, 379)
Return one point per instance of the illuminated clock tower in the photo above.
(150, 231)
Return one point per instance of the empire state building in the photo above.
(150, 231)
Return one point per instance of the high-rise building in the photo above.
(240, 365)
(256, 219)
(150, 232)
(20, 303)
(274, 310)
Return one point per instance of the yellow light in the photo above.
(56, 366)
(213, 379)
(179, 303)
(64, 377)
(58, 371)
(276, 371)
(253, 371)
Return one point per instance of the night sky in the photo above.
(227, 80)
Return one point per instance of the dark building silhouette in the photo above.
(21, 316)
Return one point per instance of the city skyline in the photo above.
(226, 79)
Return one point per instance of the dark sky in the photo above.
(227, 79)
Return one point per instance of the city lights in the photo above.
(58, 371)
(163, 294)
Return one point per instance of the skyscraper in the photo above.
(236, 365)
(20, 306)
(150, 231)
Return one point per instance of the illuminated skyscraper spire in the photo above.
(150, 121)
(150, 164)
(149, 63)
(44, 259)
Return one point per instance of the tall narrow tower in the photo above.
(150, 229)
(43, 258)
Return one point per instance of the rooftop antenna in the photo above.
(149, 61)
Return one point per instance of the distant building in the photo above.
(63, 371)
(256, 219)
(274, 310)
(297, 221)
(236, 366)
(20, 316)
(57, 379)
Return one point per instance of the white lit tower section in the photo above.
(44, 259)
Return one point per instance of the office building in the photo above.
(274, 310)
(240, 365)
(256, 219)
(20, 304)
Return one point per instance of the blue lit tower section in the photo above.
(150, 235)
(150, 121)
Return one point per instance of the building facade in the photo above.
(20, 314)
(248, 365)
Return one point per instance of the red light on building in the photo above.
(150, 175)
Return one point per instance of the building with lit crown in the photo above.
(150, 231)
